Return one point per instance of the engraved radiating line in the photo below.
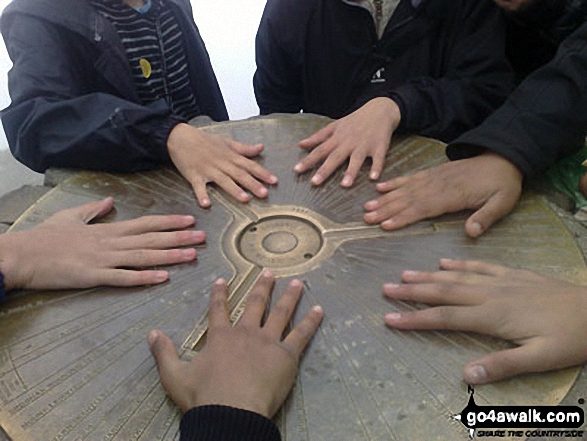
(157, 192)
(237, 208)
(394, 353)
(309, 293)
(131, 307)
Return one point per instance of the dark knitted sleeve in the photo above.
(223, 423)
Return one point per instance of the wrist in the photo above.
(6, 265)
(390, 110)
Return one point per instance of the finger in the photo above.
(432, 293)
(318, 138)
(392, 184)
(250, 183)
(313, 158)
(123, 277)
(146, 224)
(378, 164)
(355, 164)
(246, 149)
(281, 313)
(228, 185)
(386, 207)
(473, 266)
(146, 258)
(447, 277)
(332, 162)
(218, 315)
(84, 213)
(260, 172)
(201, 193)
(257, 300)
(160, 240)
(301, 334)
(455, 318)
(494, 209)
(166, 358)
(531, 357)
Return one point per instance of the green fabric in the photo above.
(565, 176)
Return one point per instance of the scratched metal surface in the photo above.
(74, 365)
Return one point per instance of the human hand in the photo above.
(364, 133)
(267, 363)
(488, 183)
(546, 318)
(202, 158)
(63, 252)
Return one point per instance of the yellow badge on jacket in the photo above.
(145, 67)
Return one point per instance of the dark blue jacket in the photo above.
(74, 104)
(545, 118)
(442, 61)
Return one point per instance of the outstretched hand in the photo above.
(63, 252)
(202, 158)
(546, 318)
(267, 362)
(365, 133)
(488, 183)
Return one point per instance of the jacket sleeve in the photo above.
(277, 81)
(476, 76)
(223, 423)
(544, 119)
(56, 120)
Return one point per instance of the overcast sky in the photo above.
(228, 28)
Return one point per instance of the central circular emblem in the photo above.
(280, 241)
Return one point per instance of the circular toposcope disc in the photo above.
(74, 365)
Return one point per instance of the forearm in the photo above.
(544, 120)
(96, 131)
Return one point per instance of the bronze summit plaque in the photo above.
(74, 365)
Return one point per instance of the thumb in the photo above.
(508, 363)
(166, 357)
(246, 149)
(493, 209)
(84, 213)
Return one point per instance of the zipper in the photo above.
(378, 14)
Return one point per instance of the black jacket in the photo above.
(545, 118)
(444, 61)
(223, 423)
(73, 99)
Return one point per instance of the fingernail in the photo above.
(243, 196)
(390, 286)
(317, 309)
(188, 219)
(445, 261)
(273, 179)
(410, 273)
(374, 175)
(476, 374)
(317, 179)
(152, 337)
(263, 192)
(295, 283)
(371, 205)
(393, 316)
(206, 202)
(267, 274)
(476, 228)
(220, 282)
(189, 253)
(161, 276)
(389, 223)
(199, 236)
(347, 181)
(298, 168)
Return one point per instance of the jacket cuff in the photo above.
(161, 135)
(223, 423)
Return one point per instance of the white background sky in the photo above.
(228, 28)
